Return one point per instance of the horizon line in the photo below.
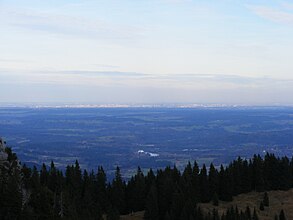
(38, 105)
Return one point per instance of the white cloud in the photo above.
(288, 6)
(68, 25)
(125, 87)
(84, 77)
(176, 1)
(273, 14)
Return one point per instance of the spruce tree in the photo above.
(113, 214)
(266, 200)
(215, 199)
(258, 174)
(27, 193)
(152, 208)
(215, 215)
(42, 202)
(101, 196)
(282, 215)
(44, 175)
(213, 181)
(187, 211)
(255, 216)
(178, 202)
(261, 206)
(117, 192)
(195, 181)
(225, 192)
(138, 191)
(167, 216)
(248, 212)
(204, 185)
(10, 187)
(52, 178)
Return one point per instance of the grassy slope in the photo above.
(278, 200)
(134, 216)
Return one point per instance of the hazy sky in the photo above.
(146, 51)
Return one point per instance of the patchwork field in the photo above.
(145, 137)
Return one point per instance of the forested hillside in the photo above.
(48, 193)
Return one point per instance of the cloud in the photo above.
(4, 60)
(273, 14)
(102, 73)
(129, 87)
(288, 6)
(105, 66)
(134, 79)
(68, 25)
(176, 1)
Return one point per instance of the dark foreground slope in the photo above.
(278, 200)
(49, 193)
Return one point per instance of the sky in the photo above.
(146, 51)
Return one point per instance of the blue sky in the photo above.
(147, 51)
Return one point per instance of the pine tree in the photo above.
(225, 192)
(258, 175)
(246, 177)
(255, 216)
(35, 179)
(167, 216)
(167, 188)
(215, 215)
(215, 199)
(52, 178)
(101, 197)
(138, 191)
(152, 208)
(72, 194)
(213, 181)
(285, 174)
(261, 206)
(166, 195)
(77, 178)
(266, 201)
(13, 196)
(117, 192)
(113, 214)
(282, 215)
(42, 202)
(195, 181)
(185, 183)
(44, 175)
(26, 175)
(10, 187)
(204, 185)
(248, 212)
(187, 211)
(187, 173)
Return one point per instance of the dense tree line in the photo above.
(48, 193)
